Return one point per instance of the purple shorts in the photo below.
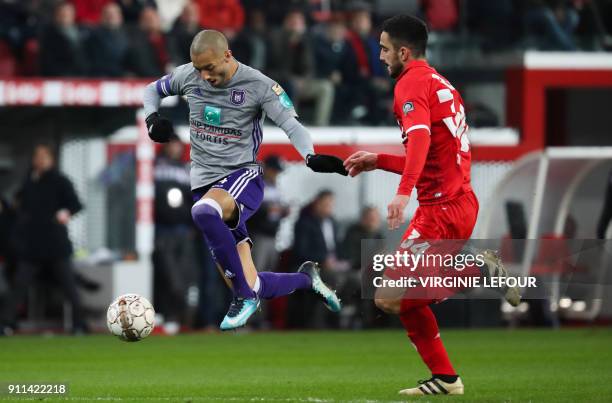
(246, 187)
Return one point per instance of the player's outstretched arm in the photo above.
(300, 138)
(361, 161)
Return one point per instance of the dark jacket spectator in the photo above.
(552, 23)
(290, 53)
(172, 187)
(186, 26)
(61, 45)
(131, 9)
(330, 49)
(45, 205)
(148, 54)
(367, 228)
(250, 46)
(41, 232)
(108, 44)
(316, 231)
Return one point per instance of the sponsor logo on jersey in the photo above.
(213, 134)
(212, 115)
(408, 107)
(285, 101)
(238, 97)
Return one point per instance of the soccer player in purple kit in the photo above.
(228, 102)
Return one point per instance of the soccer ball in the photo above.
(130, 317)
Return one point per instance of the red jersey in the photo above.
(430, 113)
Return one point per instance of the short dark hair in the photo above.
(408, 31)
(323, 193)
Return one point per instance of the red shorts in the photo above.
(451, 222)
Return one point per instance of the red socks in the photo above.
(422, 328)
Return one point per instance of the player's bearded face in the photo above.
(390, 56)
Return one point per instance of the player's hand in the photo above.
(325, 163)
(359, 162)
(395, 211)
(159, 128)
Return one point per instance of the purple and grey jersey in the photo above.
(225, 122)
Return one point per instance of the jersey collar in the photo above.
(411, 65)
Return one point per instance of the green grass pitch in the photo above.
(496, 366)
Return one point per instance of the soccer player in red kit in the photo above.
(431, 115)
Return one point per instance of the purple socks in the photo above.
(207, 217)
(272, 285)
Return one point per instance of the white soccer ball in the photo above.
(130, 317)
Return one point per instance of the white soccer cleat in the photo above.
(435, 386)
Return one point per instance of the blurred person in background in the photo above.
(316, 231)
(368, 229)
(552, 23)
(45, 204)
(226, 16)
(62, 50)
(250, 46)
(367, 83)
(332, 62)
(291, 62)
(108, 44)
(265, 222)
(316, 238)
(148, 54)
(489, 21)
(175, 264)
(185, 27)
(132, 9)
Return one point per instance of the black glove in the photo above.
(160, 129)
(325, 163)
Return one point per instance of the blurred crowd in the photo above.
(324, 52)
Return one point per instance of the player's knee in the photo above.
(206, 209)
(387, 305)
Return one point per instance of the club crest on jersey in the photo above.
(408, 107)
(238, 97)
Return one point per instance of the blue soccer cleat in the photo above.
(239, 312)
(329, 297)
